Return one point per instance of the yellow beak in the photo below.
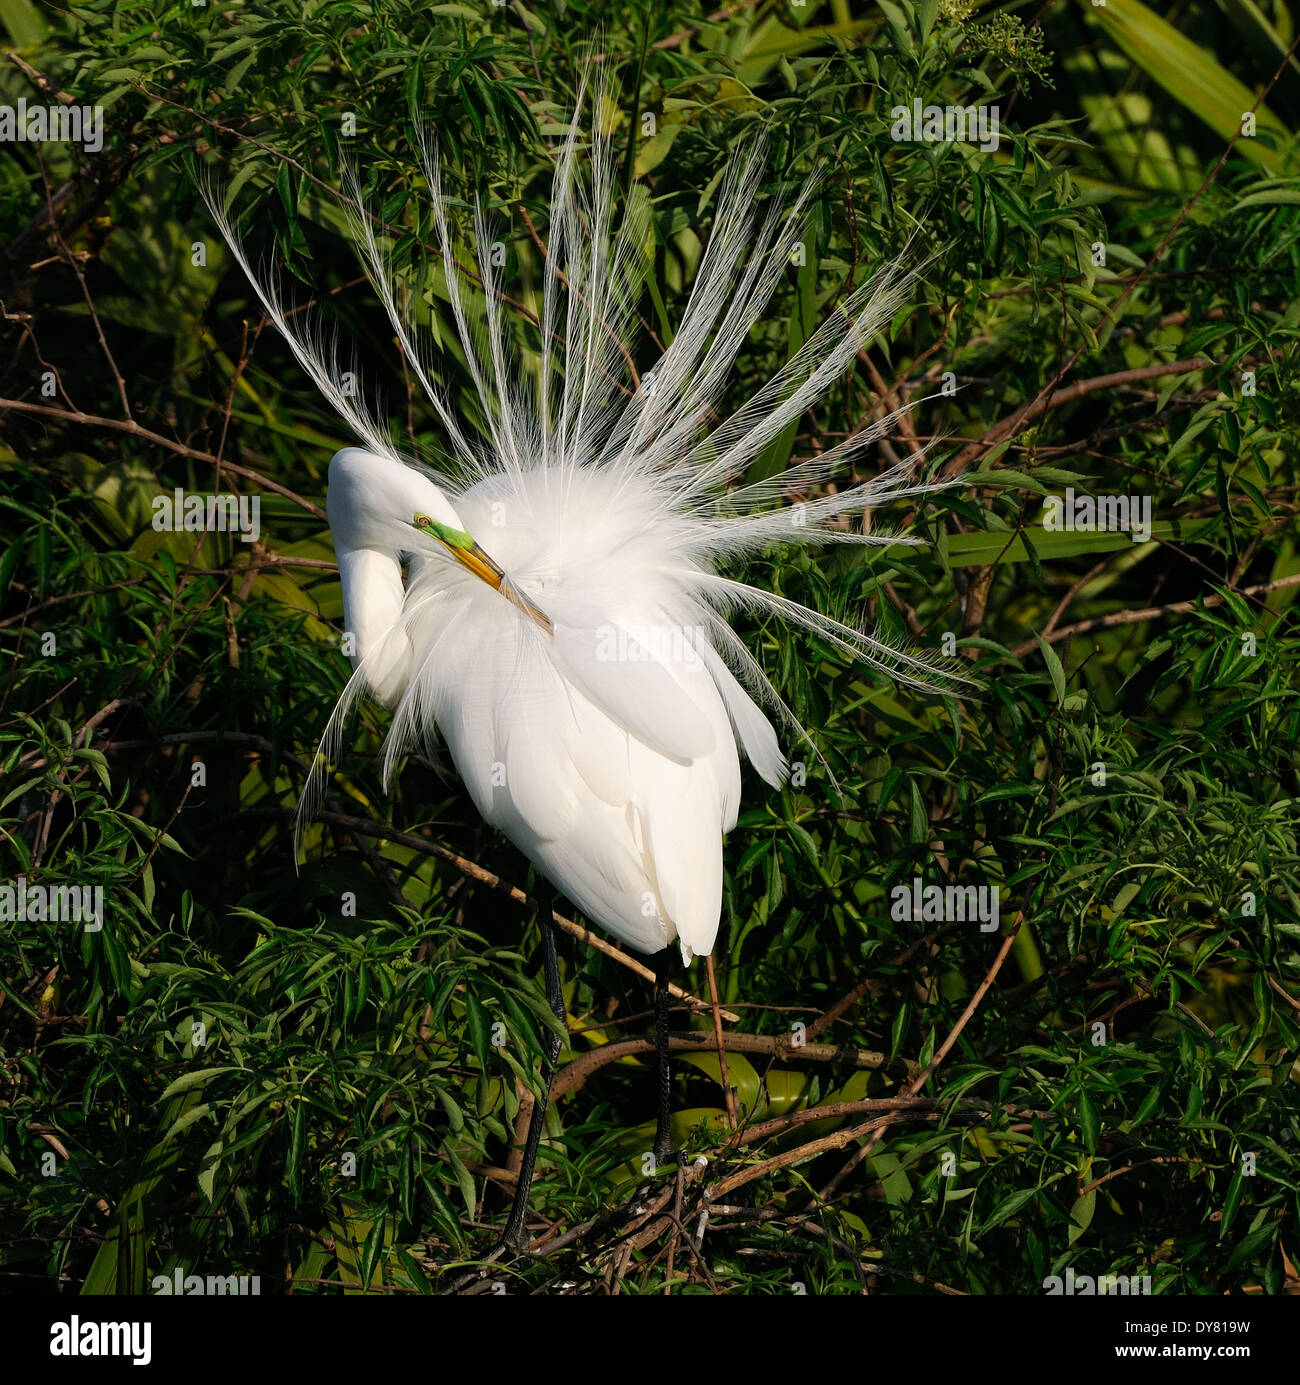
(482, 566)
(464, 548)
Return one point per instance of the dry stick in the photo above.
(485, 877)
(167, 827)
(850, 999)
(886, 401)
(40, 707)
(834, 1110)
(646, 1226)
(643, 1231)
(914, 1086)
(891, 400)
(650, 1232)
(98, 719)
(804, 1152)
(40, 80)
(618, 1267)
(85, 288)
(1088, 444)
(573, 1075)
(936, 1284)
(1128, 1168)
(24, 322)
(1011, 425)
(1095, 571)
(1286, 995)
(679, 1184)
(129, 425)
(846, 1002)
(728, 1094)
(273, 561)
(907, 612)
(1150, 613)
(235, 378)
(564, 279)
(1114, 378)
(1049, 398)
(878, 1124)
(1190, 557)
(551, 1243)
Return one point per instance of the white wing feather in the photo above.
(608, 751)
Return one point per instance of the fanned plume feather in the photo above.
(585, 440)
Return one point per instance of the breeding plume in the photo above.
(564, 625)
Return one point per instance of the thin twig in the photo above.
(1114, 618)
(728, 1093)
(485, 877)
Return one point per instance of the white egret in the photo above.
(563, 623)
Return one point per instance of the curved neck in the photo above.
(372, 611)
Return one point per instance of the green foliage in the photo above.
(313, 1074)
(1005, 39)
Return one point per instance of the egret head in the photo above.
(467, 552)
(372, 498)
(378, 502)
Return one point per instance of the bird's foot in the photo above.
(665, 1159)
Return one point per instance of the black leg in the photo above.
(663, 1148)
(516, 1238)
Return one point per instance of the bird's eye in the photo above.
(422, 521)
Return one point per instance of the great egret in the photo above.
(563, 623)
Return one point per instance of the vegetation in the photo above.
(297, 1072)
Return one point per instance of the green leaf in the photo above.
(370, 1252)
(479, 1031)
(187, 1119)
(1008, 1208)
(1081, 1215)
(1089, 1123)
(196, 1077)
(1236, 1190)
(1054, 669)
(1191, 76)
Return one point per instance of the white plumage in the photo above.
(606, 747)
